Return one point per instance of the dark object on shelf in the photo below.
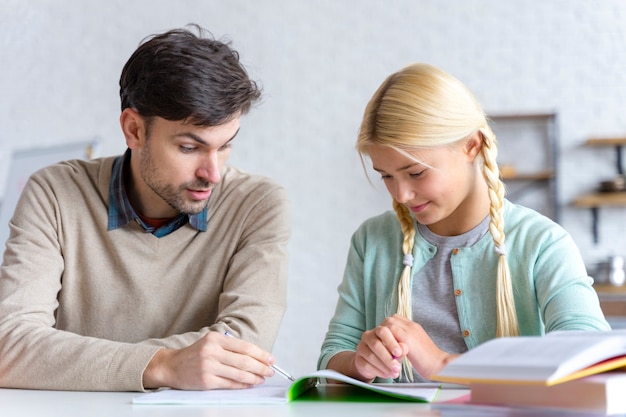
(616, 184)
(610, 272)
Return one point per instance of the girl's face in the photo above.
(445, 190)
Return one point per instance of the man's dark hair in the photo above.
(179, 75)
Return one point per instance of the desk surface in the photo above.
(30, 403)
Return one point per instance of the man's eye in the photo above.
(187, 149)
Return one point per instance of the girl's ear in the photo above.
(473, 145)
(133, 128)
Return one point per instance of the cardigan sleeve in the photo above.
(564, 290)
(348, 323)
(367, 293)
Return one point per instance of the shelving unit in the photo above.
(595, 200)
(535, 136)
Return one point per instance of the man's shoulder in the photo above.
(236, 180)
(79, 169)
(76, 179)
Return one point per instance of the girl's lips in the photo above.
(420, 208)
(200, 194)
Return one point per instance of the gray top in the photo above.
(434, 302)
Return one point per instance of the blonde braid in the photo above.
(506, 315)
(404, 284)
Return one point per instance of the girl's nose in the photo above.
(404, 193)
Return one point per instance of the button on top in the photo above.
(455, 251)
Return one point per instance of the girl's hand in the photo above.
(423, 353)
(379, 354)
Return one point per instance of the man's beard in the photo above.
(173, 196)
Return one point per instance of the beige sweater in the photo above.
(83, 308)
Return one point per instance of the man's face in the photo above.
(176, 165)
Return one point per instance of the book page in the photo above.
(533, 359)
(260, 394)
(284, 392)
(412, 392)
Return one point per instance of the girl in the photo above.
(436, 278)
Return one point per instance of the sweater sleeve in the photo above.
(33, 354)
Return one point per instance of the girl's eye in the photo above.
(417, 174)
(385, 177)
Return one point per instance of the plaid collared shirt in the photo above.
(121, 212)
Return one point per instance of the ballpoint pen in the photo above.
(276, 368)
(282, 372)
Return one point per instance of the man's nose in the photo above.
(209, 169)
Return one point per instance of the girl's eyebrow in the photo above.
(399, 169)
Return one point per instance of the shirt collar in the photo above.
(121, 212)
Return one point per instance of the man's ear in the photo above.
(473, 145)
(133, 127)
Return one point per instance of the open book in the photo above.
(544, 360)
(285, 392)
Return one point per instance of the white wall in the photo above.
(319, 62)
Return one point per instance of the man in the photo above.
(125, 273)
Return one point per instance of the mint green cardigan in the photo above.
(551, 287)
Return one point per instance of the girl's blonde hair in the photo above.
(420, 107)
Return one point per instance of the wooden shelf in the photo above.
(595, 200)
(522, 116)
(608, 199)
(610, 289)
(612, 299)
(615, 141)
(604, 199)
(545, 175)
(527, 181)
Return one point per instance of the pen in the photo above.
(283, 372)
(274, 367)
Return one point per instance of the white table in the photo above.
(31, 403)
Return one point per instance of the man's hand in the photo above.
(214, 361)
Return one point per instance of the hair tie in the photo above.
(408, 260)
(501, 249)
